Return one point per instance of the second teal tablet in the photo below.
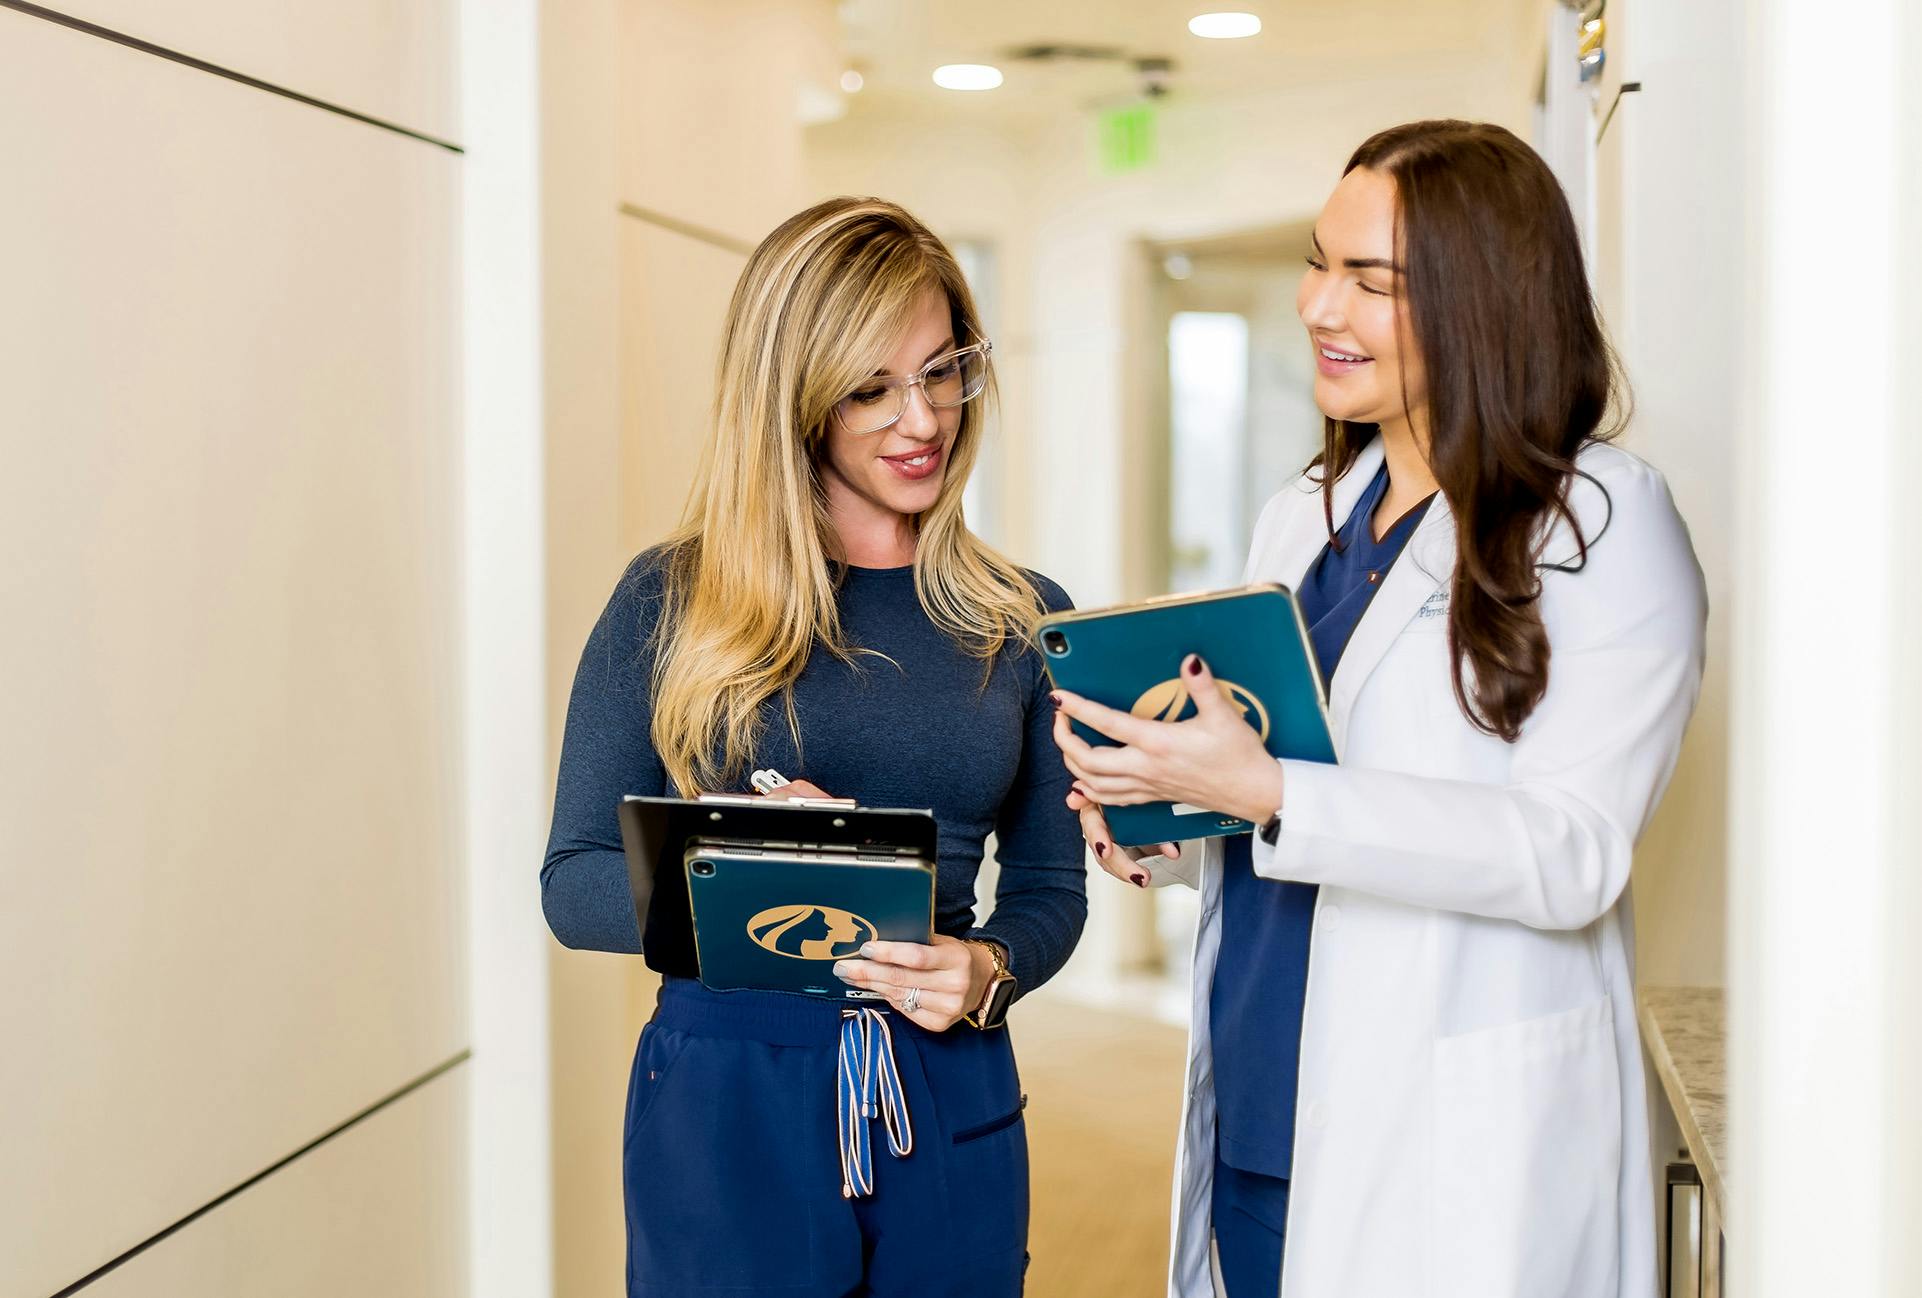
(776, 918)
(1129, 658)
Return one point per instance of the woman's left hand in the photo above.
(952, 975)
(1214, 759)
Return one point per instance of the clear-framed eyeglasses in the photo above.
(949, 380)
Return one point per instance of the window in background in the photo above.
(980, 501)
(1208, 395)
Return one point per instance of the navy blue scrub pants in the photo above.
(1251, 1222)
(732, 1158)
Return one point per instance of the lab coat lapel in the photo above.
(1425, 566)
(1305, 531)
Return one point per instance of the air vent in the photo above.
(1065, 53)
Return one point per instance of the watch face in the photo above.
(1000, 996)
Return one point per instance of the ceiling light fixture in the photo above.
(852, 81)
(1224, 26)
(967, 76)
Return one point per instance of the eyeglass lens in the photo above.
(949, 381)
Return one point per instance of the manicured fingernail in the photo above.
(841, 968)
(1055, 698)
(1194, 664)
(1100, 849)
(1138, 879)
(867, 949)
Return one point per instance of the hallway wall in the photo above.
(659, 176)
(1668, 260)
(229, 782)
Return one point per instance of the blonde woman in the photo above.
(825, 612)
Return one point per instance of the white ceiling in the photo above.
(897, 44)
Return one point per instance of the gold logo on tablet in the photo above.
(810, 932)
(1170, 701)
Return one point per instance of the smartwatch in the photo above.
(992, 1012)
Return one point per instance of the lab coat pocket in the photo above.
(1526, 1158)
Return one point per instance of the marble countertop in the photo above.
(1685, 1031)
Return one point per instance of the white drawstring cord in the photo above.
(869, 1083)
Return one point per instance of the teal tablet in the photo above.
(1129, 658)
(777, 918)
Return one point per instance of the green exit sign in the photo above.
(1127, 138)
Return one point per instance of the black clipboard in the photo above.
(655, 833)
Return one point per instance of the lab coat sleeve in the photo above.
(1552, 847)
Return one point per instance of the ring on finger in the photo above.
(912, 1001)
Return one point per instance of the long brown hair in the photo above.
(1520, 379)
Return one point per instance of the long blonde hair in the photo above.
(749, 590)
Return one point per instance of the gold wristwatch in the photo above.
(992, 1012)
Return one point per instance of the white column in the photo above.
(510, 1241)
(1827, 775)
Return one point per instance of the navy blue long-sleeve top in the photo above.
(918, 731)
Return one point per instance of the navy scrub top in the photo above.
(1255, 1005)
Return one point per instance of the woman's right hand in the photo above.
(1128, 864)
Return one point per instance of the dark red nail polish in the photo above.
(1194, 664)
(1055, 698)
(1138, 880)
(1101, 849)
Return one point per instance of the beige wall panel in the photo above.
(391, 59)
(366, 1215)
(703, 143)
(674, 295)
(967, 190)
(228, 857)
(600, 1002)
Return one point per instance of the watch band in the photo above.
(1270, 830)
(996, 952)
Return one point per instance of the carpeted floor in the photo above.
(1104, 1098)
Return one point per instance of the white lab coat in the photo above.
(1471, 1117)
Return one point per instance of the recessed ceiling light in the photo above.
(1224, 26)
(967, 76)
(852, 81)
